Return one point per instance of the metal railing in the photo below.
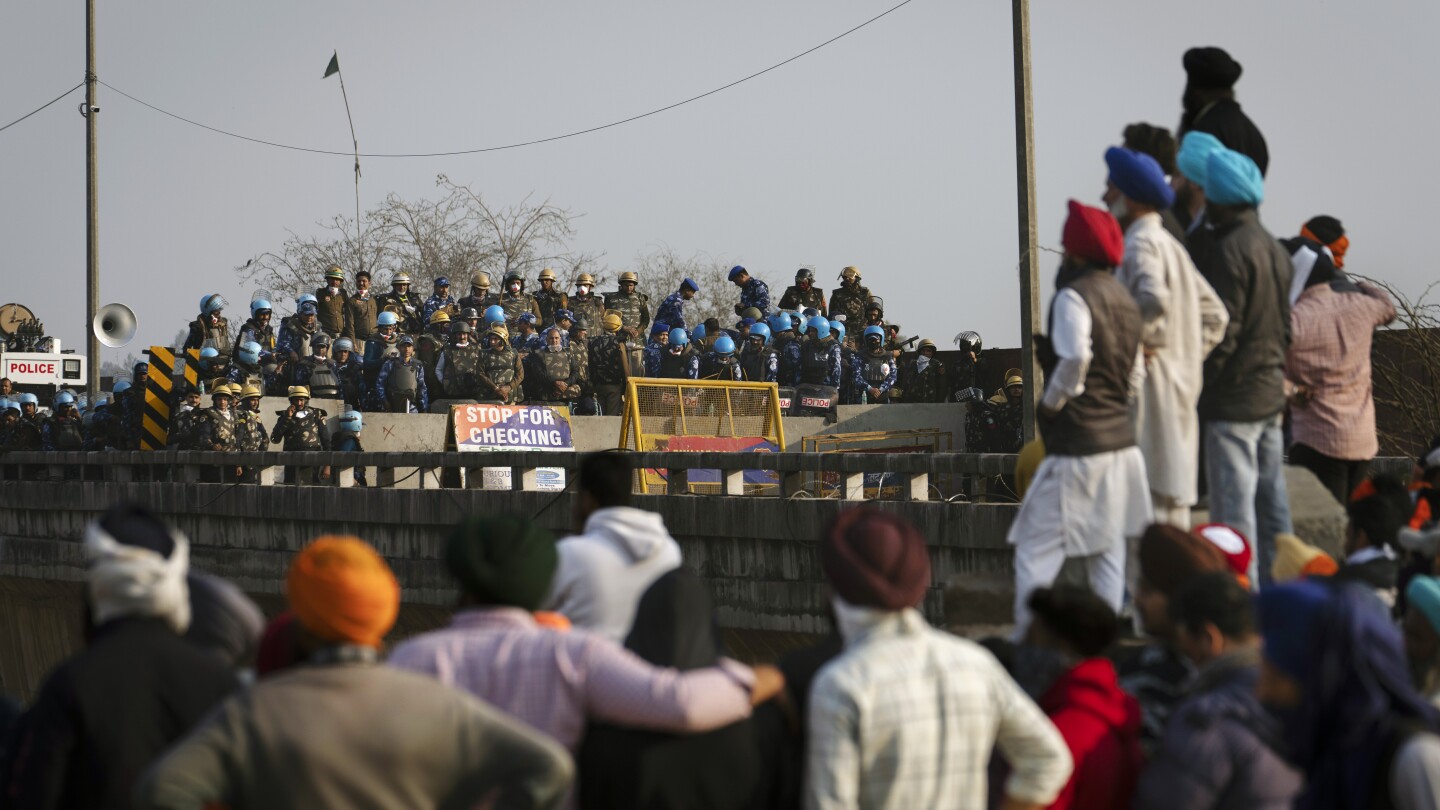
(793, 473)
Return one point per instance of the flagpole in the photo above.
(359, 254)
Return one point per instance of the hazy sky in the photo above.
(892, 149)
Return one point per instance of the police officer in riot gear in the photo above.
(876, 372)
(480, 296)
(501, 374)
(296, 334)
(302, 369)
(655, 347)
(552, 372)
(850, 299)
(515, 301)
(678, 360)
(851, 392)
(430, 345)
(804, 294)
(302, 428)
(258, 329)
(380, 346)
(400, 386)
(608, 369)
(62, 431)
(210, 328)
(923, 378)
(350, 371)
(759, 362)
(459, 363)
(720, 363)
(965, 375)
(588, 307)
(406, 305)
(787, 348)
(633, 307)
(550, 298)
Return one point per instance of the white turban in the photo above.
(128, 580)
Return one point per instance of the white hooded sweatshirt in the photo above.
(603, 573)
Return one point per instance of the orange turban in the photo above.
(341, 590)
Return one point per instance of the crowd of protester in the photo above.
(1231, 664)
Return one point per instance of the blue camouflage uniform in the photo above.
(351, 375)
(850, 393)
(434, 304)
(863, 386)
(672, 311)
(528, 343)
(756, 294)
(653, 353)
(422, 395)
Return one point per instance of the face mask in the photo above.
(584, 289)
(334, 286)
(514, 288)
(1119, 209)
(921, 363)
(186, 407)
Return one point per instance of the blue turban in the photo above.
(1139, 177)
(1194, 155)
(1423, 594)
(691, 284)
(1233, 179)
(1289, 623)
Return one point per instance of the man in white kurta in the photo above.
(1183, 320)
(1089, 494)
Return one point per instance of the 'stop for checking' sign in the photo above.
(512, 427)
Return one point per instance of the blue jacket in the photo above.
(754, 294)
(1219, 747)
(672, 311)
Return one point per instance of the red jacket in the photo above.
(1101, 724)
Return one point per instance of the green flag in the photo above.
(334, 66)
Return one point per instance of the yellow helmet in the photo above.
(335, 272)
(481, 280)
(585, 278)
(439, 316)
(612, 321)
(500, 332)
(222, 390)
(629, 275)
(298, 391)
(250, 391)
(547, 273)
(927, 343)
(216, 383)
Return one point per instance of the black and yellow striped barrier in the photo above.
(159, 385)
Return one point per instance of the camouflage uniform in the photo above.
(456, 370)
(128, 427)
(994, 426)
(294, 341)
(788, 350)
(249, 431)
(428, 347)
(525, 344)
(351, 375)
(182, 424)
(634, 309)
(212, 429)
(672, 311)
(302, 434)
(930, 385)
(820, 363)
(22, 435)
(420, 402)
(607, 372)
(479, 303)
(254, 332)
(653, 353)
(360, 315)
(435, 304)
(300, 372)
(588, 310)
(377, 349)
(850, 302)
(202, 334)
(796, 300)
(545, 368)
(850, 393)
(517, 305)
(406, 307)
(875, 369)
(504, 370)
(755, 294)
(330, 313)
(549, 304)
(759, 365)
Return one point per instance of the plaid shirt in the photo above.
(1329, 355)
(555, 681)
(907, 717)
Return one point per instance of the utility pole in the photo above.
(1025, 187)
(92, 206)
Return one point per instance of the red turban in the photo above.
(1094, 235)
(875, 559)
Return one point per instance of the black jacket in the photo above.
(1250, 271)
(103, 716)
(1231, 126)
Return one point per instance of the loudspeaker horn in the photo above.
(115, 325)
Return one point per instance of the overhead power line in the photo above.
(534, 142)
(42, 106)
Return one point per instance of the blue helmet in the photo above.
(207, 354)
(120, 387)
(699, 331)
(29, 399)
(102, 401)
(249, 353)
(344, 345)
(874, 331)
(352, 421)
(839, 329)
(810, 312)
(387, 318)
(820, 325)
(64, 398)
(780, 322)
(494, 314)
(300, 302)
(724, 345)
(796, 321)
(760, 330)
(9, 405)
(211, 303)
(658, 327)
(678, 337)
(309, 308)
(258, 306)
